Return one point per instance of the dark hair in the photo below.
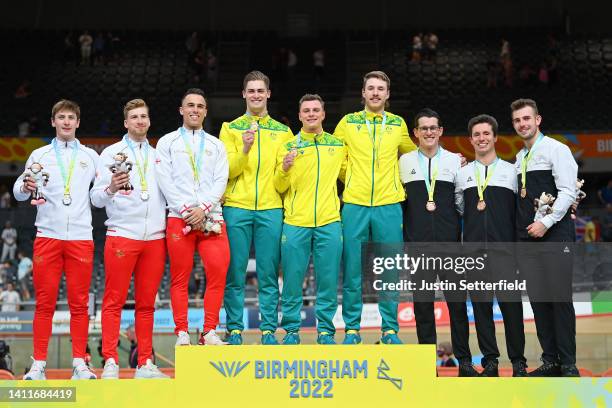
(476, 120)
(426, 113)
(311, 97)
(521, 103)
(194, 91)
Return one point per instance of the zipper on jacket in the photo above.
(317, 184)
(373, 160)
(258, 163)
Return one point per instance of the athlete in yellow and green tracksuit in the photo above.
(372, 209)
(253, 210)
(311, 225)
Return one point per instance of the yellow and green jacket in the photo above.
(372, 174)
(311, 195)
(251, 184)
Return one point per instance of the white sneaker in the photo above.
(37, 371)
(149, 370)
(211, 339)
(182, 339)
(80, 370)
(111, 370)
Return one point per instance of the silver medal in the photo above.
(67, 200)
(144, 195)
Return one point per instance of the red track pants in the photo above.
(51, 258)
(122, 258)
(214, 251)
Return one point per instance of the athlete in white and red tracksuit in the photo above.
(63, 235)
(192, 174)
(135, 241)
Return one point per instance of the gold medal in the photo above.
(481, 205)
(523, 192)
(431, 206)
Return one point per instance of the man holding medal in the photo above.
(485, 194)
(192, 174)
(253, 207)
(135, 241)
(308, 168)
(545, 165)
(63, 238)
(429, 175)
(372, 195)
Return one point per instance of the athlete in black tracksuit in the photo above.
(494, 227)
(547, 263)
(440, 225)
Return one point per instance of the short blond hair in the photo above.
(133, 104)
(379, 75)
(255, 76)
(67, 105)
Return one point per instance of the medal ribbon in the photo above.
(142, 170)
(67, 178)
(431, 186)
(479, 186)
(525, 161)
(372, 136)
(194, 160)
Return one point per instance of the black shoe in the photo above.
(547, 369)
(491, 369)
(569, 370)
(519, 369)
(467, 370)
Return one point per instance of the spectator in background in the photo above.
(417, 47)
(445, 354)
(24, 269)
(318, 63)
(5, 197)
(492, 73)
(543, 74)
(9, 242)
(69, 49)
(553, 75)
(10, 299)
(527, 75)
(431, 46)
(292, 61)
(6, 361)
(99, 46)
(23, 128)
(34, 125)
(606, 225)
(605, 193)
(212, 69)
(85, 42)
(192, 45)
(23, 90)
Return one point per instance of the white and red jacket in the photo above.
(54, 219)
(175, 173)
(128, 215)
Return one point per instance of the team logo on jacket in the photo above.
(413, 172)
(273, 136)
(83, 164)
(331, 151)
(469, 179)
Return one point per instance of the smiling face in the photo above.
(312, 115)
(65, 123)
(137, 122)
(193, 110)
(526, 123)
(256, 95)
(483, 139)
(428, 133)
(375, 94)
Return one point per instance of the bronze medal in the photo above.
(523, 192)
(481, 205)
(431, 206)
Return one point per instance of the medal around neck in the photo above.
(144, 195)
(481, 206)
(523, 192)
(430, 206)
(67, 200)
